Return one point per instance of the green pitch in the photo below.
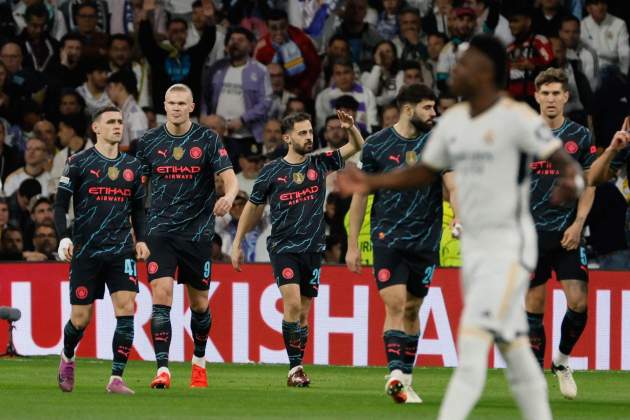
(28, 389)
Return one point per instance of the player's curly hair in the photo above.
(552, 75)
(289, 121)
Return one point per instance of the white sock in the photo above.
(527, 381)
(111, 378)
(199, 361)
(561, 359)
(164, 369)
(469, 378)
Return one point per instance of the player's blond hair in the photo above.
(178, 87)
(552, 75)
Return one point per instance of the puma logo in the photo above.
(123, 352)
(204, 282)
(283, 179)
(395, 158)
(96, 172)
(162, 153)
(133, 280)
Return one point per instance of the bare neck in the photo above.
(293, 157)
(178, 129)
(554, 122)
(483, 100)
(406, 129)
(109, 150)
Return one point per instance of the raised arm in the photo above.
(352, 180)
(355, 138)
(598, 173)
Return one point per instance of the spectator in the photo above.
(410, 42)
(344, 84)
(151, 117)
(490, 21)
(280, 96)
(293, 49)
(528, 55)
(338, 47)
(414, 72)
(125, 17)
(437, 19)
(93, 91)
(121, 89)
(4, 214)
(385, 78)
(226, 228)
(444, 102)
(218, 256)
(45, 243)
(547, 18)
(334, 135)
(465, 24)
(41, 211)
(294, 105)
(435, 44)
(70, 102)
(250, 162)
(46, 131)
(333, 254)
(579, 104)
(577, 50)
(119, 52)
(216, 123)
(238, 89)
(40, 47)
(55, 18)
(389, 115)
(177, 64)
(387, 24)
(10, 98)
(12, 245)
(10, 159)
(272, 139)
(196, 30)
(18, 203)
(606, 34)
(94, 39)
(72, 140)
(69, 10)
(35, 158)
(361, 36)
(26, 84)
(68, 71)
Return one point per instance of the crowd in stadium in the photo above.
(251, 62)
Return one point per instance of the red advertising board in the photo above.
(346, 319)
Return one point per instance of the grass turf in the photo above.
(28, 389)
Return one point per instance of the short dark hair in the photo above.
(120, 37)
(348, 102)
(414, 94)
(75, 94)
(330, 118)
(83, 5)
(103, 110)
(343, 61)
(492, 48)
(127, 78)
(239, 30)
(29, 188)
(595, 2)
(36, 9)
(568, 18)
(410, 64)
(440, 35)
(75, 121)
(39, 200)
(409, 11)
(176, 20)
(337, 37)
(277, 14)
(289, 121)
(71, 36)
(99, 64)
(45, 223)
(552, 75)
(196, 4)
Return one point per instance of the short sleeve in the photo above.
(368, 163)
(220, 159)
(435, 154)
(69, 177)
(535, 137)
(588, 151)
(260, 191)
(330, 161)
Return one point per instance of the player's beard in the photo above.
(303, 150)
(421, 126)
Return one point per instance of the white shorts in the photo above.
(494, 289)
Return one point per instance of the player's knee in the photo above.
(125, 308)
(578, 306)
(80, 320)
(471, 370)
(162, 295)
(395, 310)
(293, 309)
(412, 310)
(535, 301)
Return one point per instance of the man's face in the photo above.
(214, 122)
(35, 153)
(109, 127)
(4, 214)
(559, 51)
(391, 6)
(11, 56)
(272, 134)
(552, 98)
(177, 34)
(338, 48)
(597, 11)
(35, 27)
(411, 76)
(45, 130)
(300, 138)
(42, 212)
(114, 91)
(45, 240)
(99, 79)
(151, 119)
(276, 74)
(73, 49)
(465, 25)
(178, 105)
(550, 4)
(435, 44)
(12, 242)
(295, 106)
(570, 33)
(390, 117)
(478, 6)
(334, 135)
(343, 77)
(238, 47)
(519, 25)
(355, 11)
(278, 31)
(86, 20)
(409, 22)
(120, 53)
(446, 103)
(198, 18)
(69, 105)
(423, 114)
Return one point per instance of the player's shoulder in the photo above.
(516, 110)
(578, 130)
(204, 132)
(130, 159)
(271, 165)
(80, 157)
(152, 134)
(379, 137)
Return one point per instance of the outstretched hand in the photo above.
(346, 119)
(352, 180)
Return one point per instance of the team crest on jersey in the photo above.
(195, 152)
(311, 174)
(178, 153)
(298, 177)
(128, 175)
(411, 157)
(571, 147)
(112, 173)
